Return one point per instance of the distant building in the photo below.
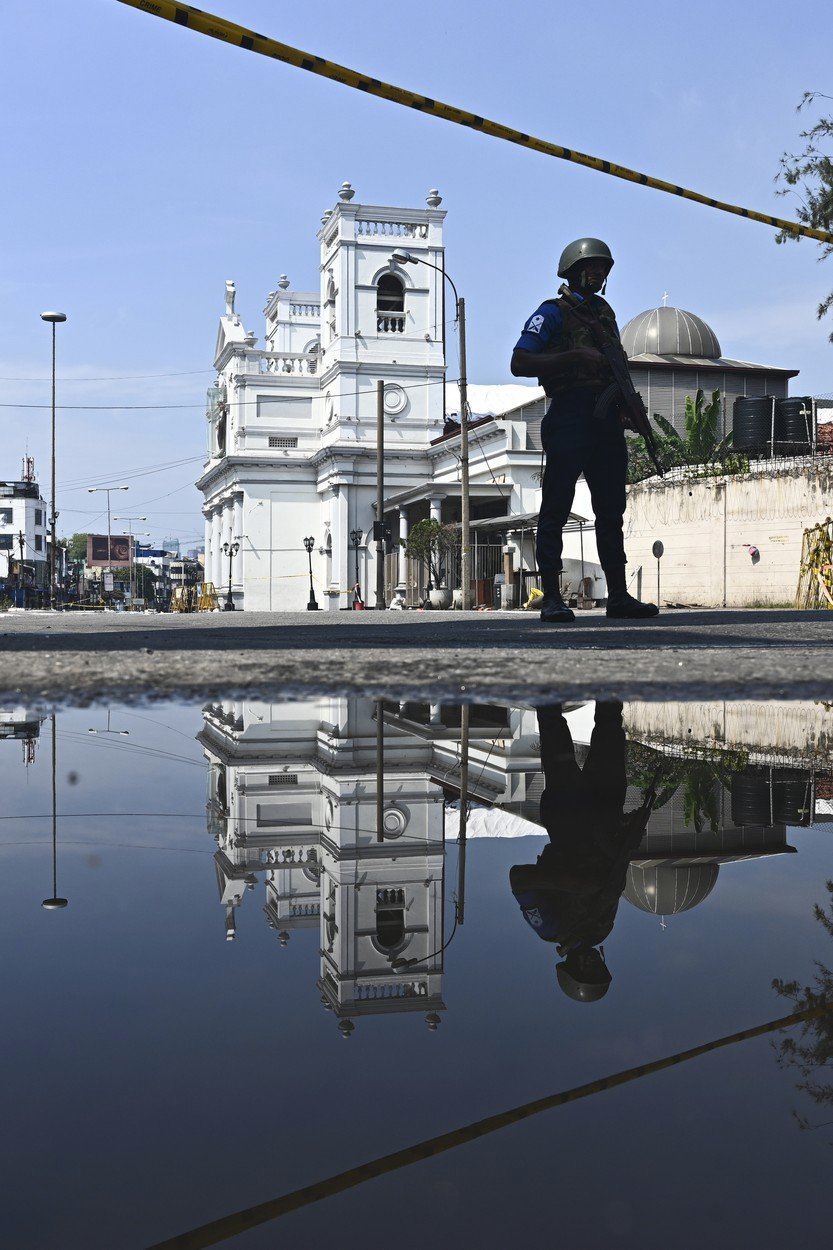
(673, 353)
(24, 552)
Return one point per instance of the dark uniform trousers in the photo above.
(576, 442)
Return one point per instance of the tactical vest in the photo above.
(575, 335)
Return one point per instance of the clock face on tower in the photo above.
(395, 400)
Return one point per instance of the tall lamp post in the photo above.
(406, 258)
(144, 534)
(107, 490)
(53, 318)
(312, 606)
(231, 549)
(355, 539)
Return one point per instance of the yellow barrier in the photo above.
(207, 601)
(815, 578)
(240, 36)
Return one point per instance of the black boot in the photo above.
(554, 610)
(621, 605)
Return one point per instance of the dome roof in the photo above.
(669, 332)
(667, 889)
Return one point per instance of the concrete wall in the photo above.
(709, 525)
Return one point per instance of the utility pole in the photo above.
(53, 318)
(407, 258)
(380, 495)
(464, 812)
(465, 517)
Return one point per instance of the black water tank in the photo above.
(791, 796)
(752, 423)
(794, 426)
(750, 797)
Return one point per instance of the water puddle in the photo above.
(251, 947)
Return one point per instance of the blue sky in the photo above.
(146, 164)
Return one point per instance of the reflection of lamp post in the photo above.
(406, 258)
(231, 550)
(312, 606)
(54, 903)
(355, 539)
(53, 318)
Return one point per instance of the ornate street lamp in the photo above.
(355, 539)
(231, 550)
(312, 606)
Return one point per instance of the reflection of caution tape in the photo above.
(230, 32)
(251, 1217)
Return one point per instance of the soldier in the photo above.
(559, 350)
(571, 895)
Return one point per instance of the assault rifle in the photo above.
(621, 393)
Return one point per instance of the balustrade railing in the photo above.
(398, 989)
(390, 323)
(305, 310)
(288, 362)
(392, 229)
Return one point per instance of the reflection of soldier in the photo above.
(571, 895)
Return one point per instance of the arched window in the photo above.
(390, 927)
(390, 294)
(390, 304)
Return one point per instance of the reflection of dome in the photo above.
(667, 889)
(669, 332)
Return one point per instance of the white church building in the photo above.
(292, 428)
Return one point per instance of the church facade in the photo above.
(290, 481)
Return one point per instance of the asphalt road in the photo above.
(79, 657)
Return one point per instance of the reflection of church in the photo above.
(293, 802)
(341, 807)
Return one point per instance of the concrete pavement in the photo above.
(79, 657)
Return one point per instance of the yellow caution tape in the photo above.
(240, 36)
(241, 1221)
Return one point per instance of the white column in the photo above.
(436, 504)
(216, 545)
(403, 559)
(340, 531)
(237, 528)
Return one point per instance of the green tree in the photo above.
(808, 175)
(430, 541)
(77, 547)
(811, 1055)
(700, 444)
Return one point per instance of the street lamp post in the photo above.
(231, 549)
(53, 318)
(108, 490)
(407, 258)
(355, 539)
(144, 534)
(312, 606)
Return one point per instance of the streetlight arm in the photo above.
(407, 258)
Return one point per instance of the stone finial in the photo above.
(327, 215)
(433, 199)
(250, 339)
(283, 282)
(230, 294)
(346, 192)
(346, 1027)
(432, 1020)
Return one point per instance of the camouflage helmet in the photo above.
(583, 249)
